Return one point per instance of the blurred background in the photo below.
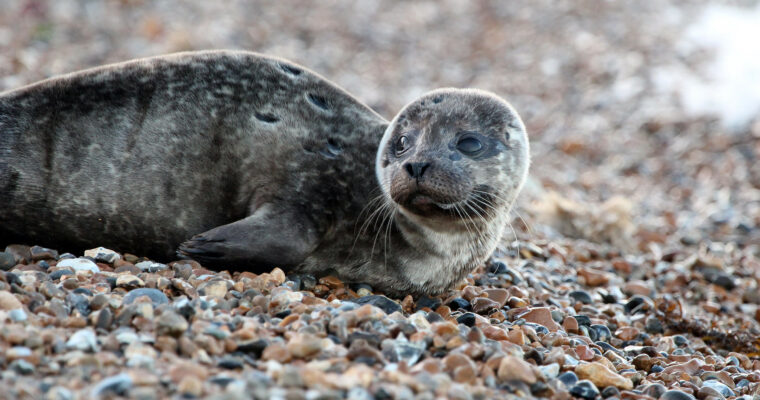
(643, 115)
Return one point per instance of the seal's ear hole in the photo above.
(290, 69)
(268, 118)
(317, 100)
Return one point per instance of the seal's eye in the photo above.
(469, 145)
(402, 145)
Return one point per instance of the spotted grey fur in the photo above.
(247, 161)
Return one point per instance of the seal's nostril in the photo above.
(415, 170)
(409, 169)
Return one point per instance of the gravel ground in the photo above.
(631, 269)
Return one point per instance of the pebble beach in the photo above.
(629, 271)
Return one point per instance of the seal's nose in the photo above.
(415, 170)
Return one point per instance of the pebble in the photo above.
(214, 288)
(514, 368)
(601, 376)
(41, 253)
(581, 296)
(724, 390)
(7, 261)
(150, 266)
(304, 345)
(129, 281)
(676, 395)
(118, 385)
(79, 264)
(585, 390)
(156, 296)
(9, 302)
(83, 339)
(101, 254)
(541, 316)
(379, 301)
(171, 323)
(459, 303)
(569, 379)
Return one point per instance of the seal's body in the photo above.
(242, 161)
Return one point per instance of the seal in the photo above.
(243, 161)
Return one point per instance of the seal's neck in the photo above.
(447, 238)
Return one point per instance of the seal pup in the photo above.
(244, 161)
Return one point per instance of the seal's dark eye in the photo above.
(402, 145)
(469, 145)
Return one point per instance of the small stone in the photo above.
(118, 385)
(543, 317)
(379, 301)
(498, 295)
(593, 277)
(569, 379)
(156, 296)
(599, 333)
(467, 319)
(83, 339)
(229, 362)
(513, 368)
(190, 386)
(429, 302)
(214, 288)
(78, 264)
(585, 390)
(304, 345)
(101, 254)
(150, 266)
(484, 305)
(719, 387)
(602, 376)
(655, 390)
(277, 352)
(129, 281)
(627, 333)
(7, 261)
(8, 301)
(676, 395)
(570, 325)
(581, 296)
(401, 350)
(171, 323)
(610, 391)
(41, 253)
(459, 303)
(22, 367)
(638, 304)
(59, 274)
(20, 253)
(551, 371)
(17, 315)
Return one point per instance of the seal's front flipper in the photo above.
(269, 238)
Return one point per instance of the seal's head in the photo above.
(454, 154)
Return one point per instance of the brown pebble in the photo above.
(541, 316)
(602, 376)
(513, 368)
(570, 325)
(8, 301)
(498, 295)
(483, 305)
(277, 352)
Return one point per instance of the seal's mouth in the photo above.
(423, 204)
